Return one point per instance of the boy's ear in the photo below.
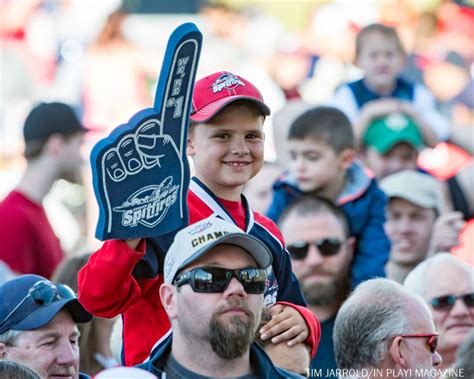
(190, 147)
(346, 157)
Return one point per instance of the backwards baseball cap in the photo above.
(29, 302)
(215, 91)
(384, 133)
(51, 118)
(197, 239)
(416, 187)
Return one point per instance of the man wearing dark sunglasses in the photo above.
(214, 279)
(447, 285)
(38, 326)
(317, 237)
(384, 326)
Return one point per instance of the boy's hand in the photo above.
(141, 171)
(286, 324)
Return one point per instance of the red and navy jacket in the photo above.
(119, 280)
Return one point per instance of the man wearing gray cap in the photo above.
(417, 223)
(214, 279)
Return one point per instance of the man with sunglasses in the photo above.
(214, 279)
(38, 326)
(447, 285)
(316, 233)
(384, 327)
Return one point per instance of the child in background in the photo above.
(391, 144)
(225, 141)
(321, 147)
(380, 55)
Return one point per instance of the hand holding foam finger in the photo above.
(140, 171)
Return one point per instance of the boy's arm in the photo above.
(312, 322)
(106, 286)
(383, 107)
(424, 104)
(373, 245)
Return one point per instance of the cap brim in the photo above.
(45, 314)
(257, 249)
(209, 111)
(412, 198)
(388, 143)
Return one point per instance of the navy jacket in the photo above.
(261, 363)
(364, 204)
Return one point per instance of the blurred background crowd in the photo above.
(104, 59)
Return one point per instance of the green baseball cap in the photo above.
(384, 133)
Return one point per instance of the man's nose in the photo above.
(437, 359)
(314, 257)
(68, 354)
(235, 288)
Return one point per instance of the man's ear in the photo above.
(396, 352)
(3, 351)
(351, 242)
(54, 145)
(168, 299)
(346, 157)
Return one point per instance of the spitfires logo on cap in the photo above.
(149, 205)
(226, 81)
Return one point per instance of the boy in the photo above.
(225, 142)
(391, 144)
(321, 147)
(380, 55)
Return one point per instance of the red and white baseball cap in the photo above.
(214, 92)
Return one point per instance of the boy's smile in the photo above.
(228, 151)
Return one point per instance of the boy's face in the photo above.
(228, 151)
(314, 164)
(400, 157)
(381, 60)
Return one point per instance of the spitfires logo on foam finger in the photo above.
(149, 205)
(226, 81)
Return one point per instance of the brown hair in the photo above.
(386, 31)
(34, 148)
(326, 125)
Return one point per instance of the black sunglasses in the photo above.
(447, 302)
(326, 246)
(216, 279)
(43, 293)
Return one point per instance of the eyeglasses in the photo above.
(432, 339)
(216, 279)
(43, 293)
(326, 246)
(448, 301)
